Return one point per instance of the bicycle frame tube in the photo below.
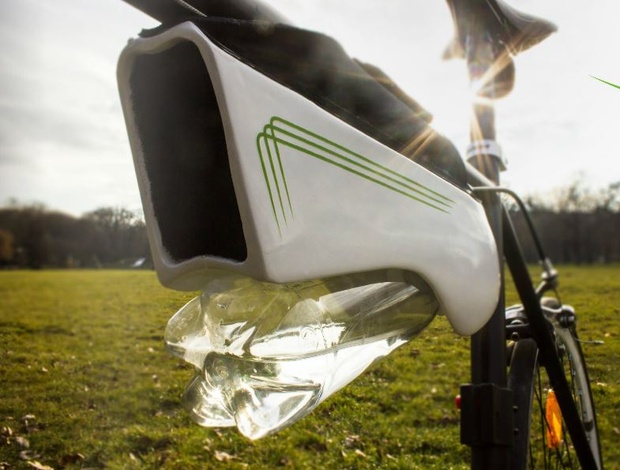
(489, 344)
(484, 369)
(545, 342)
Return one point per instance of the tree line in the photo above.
(575, 224)
(32, 236)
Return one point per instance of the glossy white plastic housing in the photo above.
(340, 202)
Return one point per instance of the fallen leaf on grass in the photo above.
(27, 418)
(351, 440)
(28, 455)
(224, 456)
(22, 442)
(39, 465)
(5, 433)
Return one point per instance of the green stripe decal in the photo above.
(281, 132)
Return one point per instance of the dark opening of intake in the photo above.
(185, 155)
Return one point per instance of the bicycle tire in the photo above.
(529, 382)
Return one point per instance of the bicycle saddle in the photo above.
(508, 27)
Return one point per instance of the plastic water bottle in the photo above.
(267, 354)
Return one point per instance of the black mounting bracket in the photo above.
(487, 415)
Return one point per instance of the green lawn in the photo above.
(85, 382)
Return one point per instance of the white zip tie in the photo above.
(486, 147)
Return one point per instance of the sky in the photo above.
(63, 141)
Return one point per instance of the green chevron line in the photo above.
(357, 155)
(274, 135)
(418, 188)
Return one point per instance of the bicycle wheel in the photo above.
(542, 440)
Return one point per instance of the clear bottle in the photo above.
(267, 354)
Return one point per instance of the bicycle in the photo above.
(518, 354)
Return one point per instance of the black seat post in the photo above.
(488, 33)
(488, 350)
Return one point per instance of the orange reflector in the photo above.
(554, 421)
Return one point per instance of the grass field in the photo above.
(85, 382)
